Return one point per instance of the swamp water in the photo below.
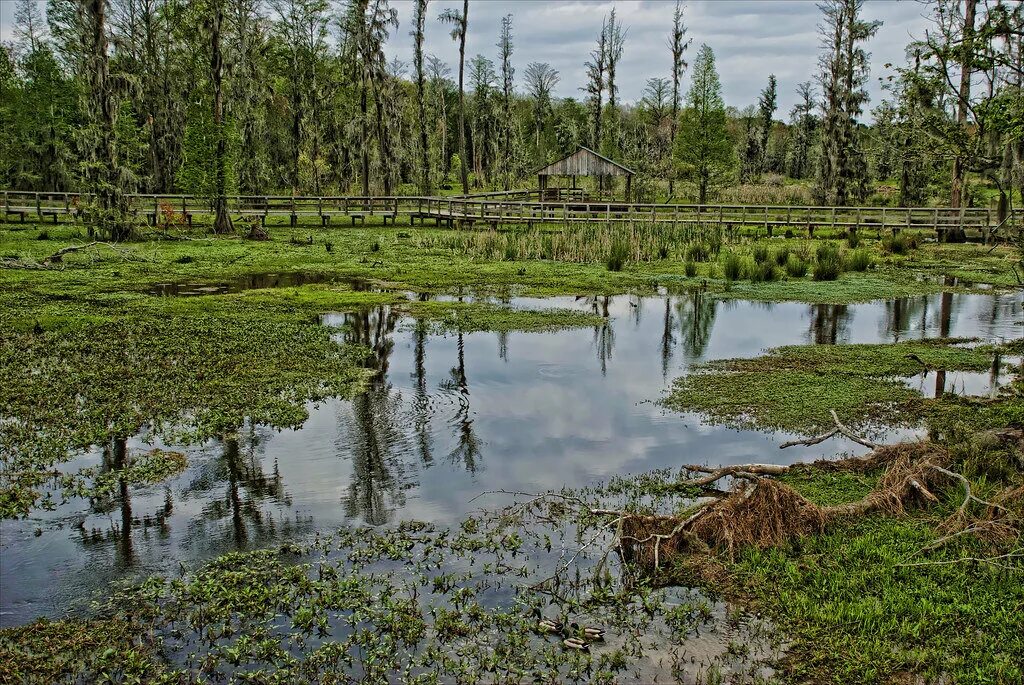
(452, 416)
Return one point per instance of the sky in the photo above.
(751, 39)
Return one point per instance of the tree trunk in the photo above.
(364, 148)
(462, 97)
(103, 110)
(222, 219)
(956, 201)
(421, 11)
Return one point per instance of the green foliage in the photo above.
(828, 263)
(617, 256)
(899, 244)
(704, 148)
(858, 260)
(198, 173)
(793, 388)
(698, 252)
(796, 267)
(762, 272)
(732, 267)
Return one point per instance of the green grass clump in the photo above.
(828, 263)
(760, 253)
(698, 252)
(732, 267)
(782, 256)
(762, 272)
(690, 269)
(796, 267)
(859, 260)
(899, 244)
(617, 256)
(852, 240)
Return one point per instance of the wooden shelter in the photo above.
(584, 162)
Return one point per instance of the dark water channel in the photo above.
(450, 416)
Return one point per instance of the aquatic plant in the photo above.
(732, 267)
(828, 264)
(796, 267)
(617, 256)
(859, 260)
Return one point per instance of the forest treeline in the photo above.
(215, 97)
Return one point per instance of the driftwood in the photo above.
(58, 256)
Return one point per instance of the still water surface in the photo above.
(451, 416)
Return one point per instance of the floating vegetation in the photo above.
(793, 388)
(195, 376)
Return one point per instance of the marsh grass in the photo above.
(828, 262)
(584, 243)
(760, 253)
(795, 266)
(859, 260)
(732, 267)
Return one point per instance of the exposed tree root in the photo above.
(761, 512)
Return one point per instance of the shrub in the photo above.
(762, 271)
(617, 256)
(853, 240)
(789, 233)
(796, 267)
(829, 263)
(760, 254)
(782, 256)
(698, 252)
(715, 243)
(732, 267)
(897, 244)
(859, 260)
(690, 268)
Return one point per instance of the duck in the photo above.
(547, 625)
(576, 643)
(588, 633)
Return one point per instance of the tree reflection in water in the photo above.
(248, 490)
(375, 435)
(467, 448)
(696, 313)
(829, 324)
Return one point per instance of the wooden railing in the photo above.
(506, 208)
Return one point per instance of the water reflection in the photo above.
(446, 417)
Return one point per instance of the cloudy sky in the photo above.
(751, 39)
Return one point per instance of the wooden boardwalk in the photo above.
(524, 208)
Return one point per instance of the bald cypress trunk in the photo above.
(956, 199)
(222, 219)
(110, 215)
(421, 15)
